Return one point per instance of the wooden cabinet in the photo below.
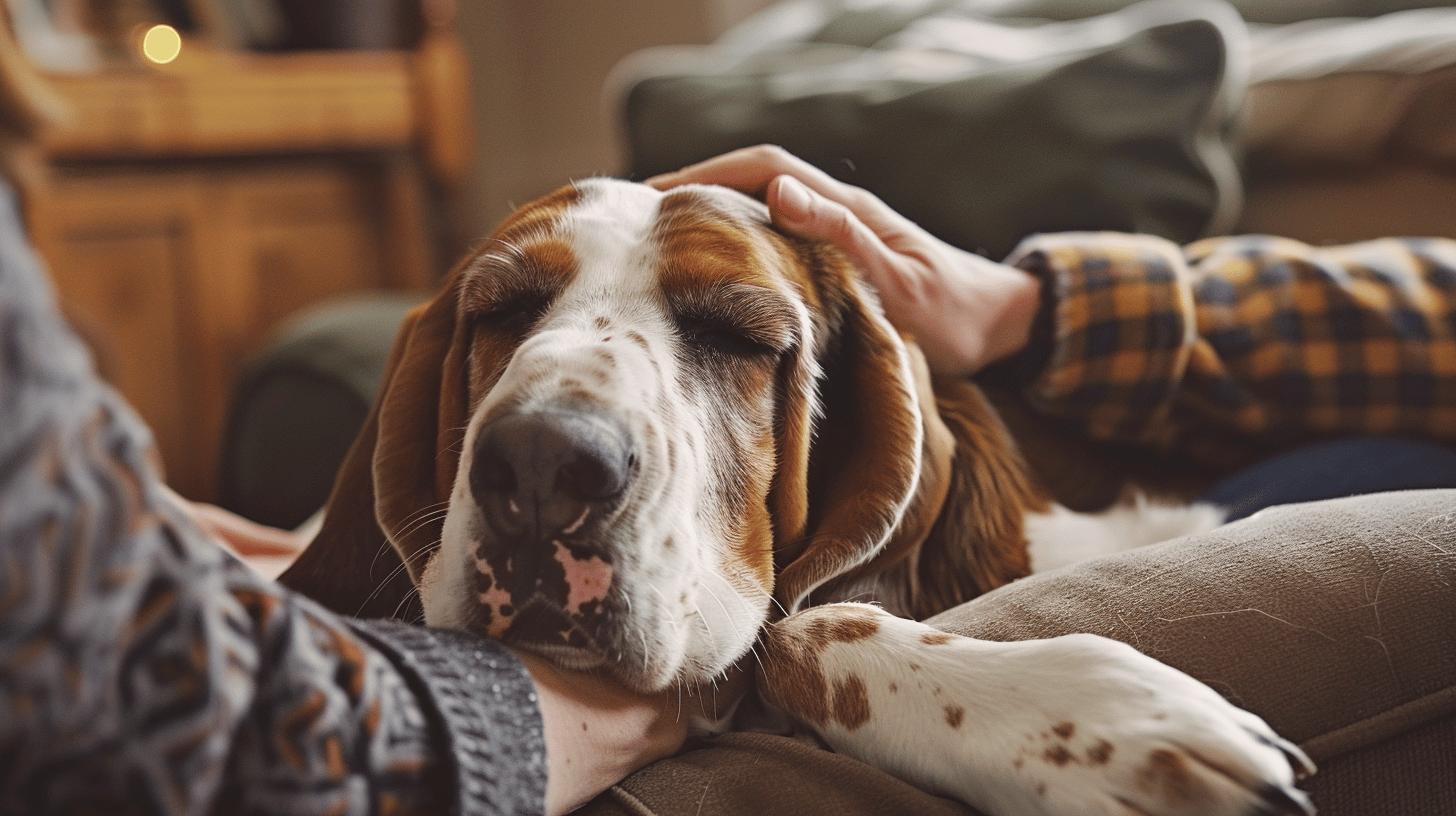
(178, 238)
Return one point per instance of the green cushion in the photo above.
(300, 403)
(1119, 123)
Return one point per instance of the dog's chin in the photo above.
(625, 670)
(570, 658)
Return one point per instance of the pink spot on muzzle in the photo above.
(587, 579)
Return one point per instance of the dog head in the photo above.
(632, 427)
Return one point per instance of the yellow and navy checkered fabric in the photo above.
(1246, 341)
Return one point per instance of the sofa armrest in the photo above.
(300, 403)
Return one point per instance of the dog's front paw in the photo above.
(1106, 729)
(1071, 725)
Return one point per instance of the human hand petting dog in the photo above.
(964, 311)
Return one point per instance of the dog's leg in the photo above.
(1071, 725)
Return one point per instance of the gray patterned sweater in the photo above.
(144, 670)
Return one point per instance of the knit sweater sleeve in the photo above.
(145, 670)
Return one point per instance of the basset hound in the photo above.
(646, 433)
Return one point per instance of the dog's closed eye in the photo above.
(734, 319)
(709, 334)
(512, 287)
(517, 312)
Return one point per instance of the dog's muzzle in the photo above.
(546, 481)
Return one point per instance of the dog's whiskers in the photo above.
(423, 522)
(403, 602)
(385, 545)
(421, 511)
(403, 564)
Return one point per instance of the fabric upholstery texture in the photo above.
(1115, 123)
(1335, 621)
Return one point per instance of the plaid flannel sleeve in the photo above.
(1254, 339)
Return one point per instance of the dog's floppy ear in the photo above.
(850, 438)
(393, 485)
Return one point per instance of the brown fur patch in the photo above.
(1167, 773)
(792, 676)
(962, 534)
(1099, 753)
(845, 627)
(978, 542)
(1058, 756)
(1064, 729)
(953, 715)
(851, 702)
(936, 638)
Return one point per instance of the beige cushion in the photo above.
(1354, 91)
(1334, 621)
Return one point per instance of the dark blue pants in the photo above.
(1328, 470)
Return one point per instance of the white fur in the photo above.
(692, 613)
(1013, 695)
(1060, 536)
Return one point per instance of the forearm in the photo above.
(144, 670)
(1235, 342)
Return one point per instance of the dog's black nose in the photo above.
(542, 472)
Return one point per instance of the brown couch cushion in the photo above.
(1335, 621)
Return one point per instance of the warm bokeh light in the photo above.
(161, 44)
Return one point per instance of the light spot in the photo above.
(580, 520)
(161, 44)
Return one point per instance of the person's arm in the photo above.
(1137, 340)
(596, 731)
(142, 669)
(1237, 339)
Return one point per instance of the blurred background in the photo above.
(238, 199)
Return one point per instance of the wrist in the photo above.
(1019, 300)
(597, 732)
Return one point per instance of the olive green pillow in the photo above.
(1121, 122)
